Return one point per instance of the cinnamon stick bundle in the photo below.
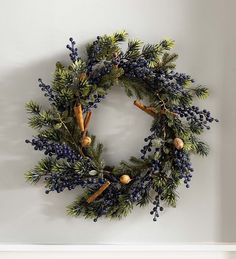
(98, 192)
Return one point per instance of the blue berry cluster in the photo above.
(93, 104)
(94, 51)
(110, 199)
(98, 72)
(52, 96)
(155, 166)
(74, 51)
(137, 68)
(61, 151)
(157, 208)
(196, 116)
(48, 91)
(70, 179)
(141, 187)
(181, 162)
(148, 147)
(60, 181)
(171, 82)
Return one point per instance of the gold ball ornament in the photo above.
(125, 179)
(178, 143)
(86, 141)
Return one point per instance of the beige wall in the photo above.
(33, 36)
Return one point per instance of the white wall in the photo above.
(33, 36)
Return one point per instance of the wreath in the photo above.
(73, 158)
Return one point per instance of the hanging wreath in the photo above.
(74, 159)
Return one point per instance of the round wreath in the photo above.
(73, 158)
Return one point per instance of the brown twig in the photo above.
(70, 135)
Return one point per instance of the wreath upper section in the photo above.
(72, 157)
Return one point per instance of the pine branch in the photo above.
(33, 108)
(95, 151)
(50, 134)
(167, 61)
(123, 208)
(108, 45)
(111, 79)
(201, 92)
(145, 200)
(153, 52)
(199, 147)
(133, 50)
(43, 119)
(43, 167)
(135, 88)
(119, 36)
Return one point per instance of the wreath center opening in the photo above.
(120, 126)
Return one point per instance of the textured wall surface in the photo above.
(33, 36)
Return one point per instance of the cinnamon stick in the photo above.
(98, 192)
(79, 116)
(86, 123)
(141, 106)
(87, 120)
(151, 110)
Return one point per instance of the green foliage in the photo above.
(108, 46)
(154, 52)
(32, 108)
(122, 209)
(42, 119)
(110, 79)
(201, 92)
(44, 166)
(119, 36)
(135, 89)
(134, 167)
(198, 146)
(95, 151)
(167, 61)
(134, 49)
(50, 134)
(86, 82)
(62, 78)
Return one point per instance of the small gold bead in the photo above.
(86, 141)
(178, 143)
(125, 179)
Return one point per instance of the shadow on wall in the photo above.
(16, 157)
